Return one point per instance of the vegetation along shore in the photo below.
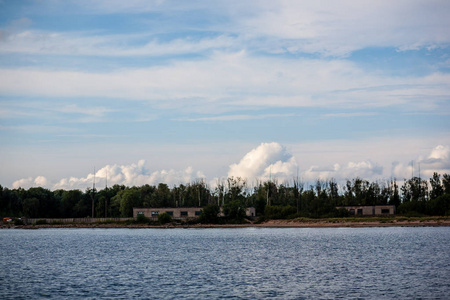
(418, 202)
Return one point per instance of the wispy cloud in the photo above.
(350, 114)
(339, 28)
(94, 44)
(236, 117)
(239, 80)
(323, 76)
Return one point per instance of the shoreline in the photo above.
(267, 224)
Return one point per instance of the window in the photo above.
(385, 211)
(183, 213)
(154, 213)
(140, 212)
(198, 212)
(359, 212)
(352, 211)
(170, 213)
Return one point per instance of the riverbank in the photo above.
(295, 223)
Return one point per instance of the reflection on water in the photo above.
(245, 263)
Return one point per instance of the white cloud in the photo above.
(325, 27)
(40, 181)
(341, 27)
(129, 175)
(23, 183)
(88, 44)
(271, 161)
(225, 82)
(236, 117)
(438, 160)
(29, 182)
(265, 161)
(363, 169)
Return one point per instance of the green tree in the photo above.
(394, 197)
(436, 186)
(210, 214)
(234, 210)
(68, 202)
(446, 183)
(31, 207)
(129, 198)
(415, 189)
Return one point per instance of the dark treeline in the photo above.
(272, 200)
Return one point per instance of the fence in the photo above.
(76, 220)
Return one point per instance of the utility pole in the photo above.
(106, 198)
(92, 195)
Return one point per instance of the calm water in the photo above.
(245, 263)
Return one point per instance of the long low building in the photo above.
(178, 212)
(370, 210)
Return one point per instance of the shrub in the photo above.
(210, 214)
(141, 219)
(279, 212)
(41, 222)
(164, 218)
(18, 222)
(341, 213)
(234, 210)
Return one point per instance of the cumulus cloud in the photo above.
(23, 183)
(265, 161)
(363, 169)
(132, 175)
(438, 160)
(39, 181)
(135, 174)
(273, 160)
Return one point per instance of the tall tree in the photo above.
(415, 189)
(436, 186)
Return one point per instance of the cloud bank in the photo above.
(135, 174)
(268, 161)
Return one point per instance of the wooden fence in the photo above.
(74, 220)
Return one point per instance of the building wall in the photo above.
(175, 212)
(377, 210)
(179, 212)
(250, 212)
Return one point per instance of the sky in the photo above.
(148, 92)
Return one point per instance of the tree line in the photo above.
(271, 199)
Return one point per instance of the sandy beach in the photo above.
(270, 223)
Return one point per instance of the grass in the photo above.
(381, 219)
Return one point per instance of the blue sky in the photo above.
(174, 91)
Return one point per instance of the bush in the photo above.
(341, 213)
(210, 214)
(164, 218)
(279, 212)
(234, 210)
(18, 222)
(141, 219)
(41, 222)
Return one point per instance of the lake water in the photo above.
(241, 263)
